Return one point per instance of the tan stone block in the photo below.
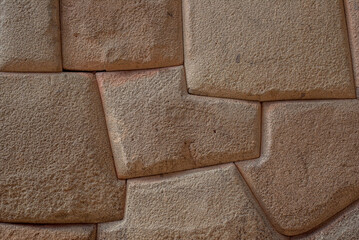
(344, 227)
(267, 50)
(352, 11)
(55, 156)
(47, 232)
(209, 203)
(308, 169)
(156, 127)
(30, 36)
(121, 34)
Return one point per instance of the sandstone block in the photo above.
(30, 36)
(47, 232)
(210, 203)
(156, 127)
(121, 34)
(345, 226)
(308, 169)
(267, 50)
(55, 156)
(352, 11)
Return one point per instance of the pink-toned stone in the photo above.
(267, 49)
(308, 169)
(156, 127)
(47, 232)
(345, 226)
(121, 34)
(210, 203)
(352, 11)
(55, 156)
(30, 36)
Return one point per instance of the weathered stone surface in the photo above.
(156, 127)
(121, 34)
(352, 11)
(267, 50)
(210, 203)
(55, 156)
(30, 36)
(308, 169)
(47, 232)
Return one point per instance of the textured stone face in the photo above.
(121, 34)
(156, 127)
(55, 156)
(345, 226)
(267, 50)
(30, 36)
(352, 10)
(308, 170)
(210, 203)
(48, 232)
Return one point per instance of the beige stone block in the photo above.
(267, 49)
(55, 156)
(47, 232)
(156, 127)
(209, 203)
(30, 36)
(352, 11)
(344, 227)
(308, 169)
(121, 34)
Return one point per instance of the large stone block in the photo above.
(30, 36)
(121, 34)
(47, 232)
(156, 127)
(352, 11)
(267, 49)
(55, 156)
(211, 203)
(308, 169)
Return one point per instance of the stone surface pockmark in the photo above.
(30, 36)
(156, 127)
(55, 156)
(267, 50)
(209, 203)
(308, 169)
(47, 232)
(121, 34)
(352, 10)
(345, 226)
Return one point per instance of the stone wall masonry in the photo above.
(179, 119)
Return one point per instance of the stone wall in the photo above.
(170, 119)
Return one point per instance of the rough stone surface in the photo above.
(308, 169)
(131, 35)
(55, 156)
(47, 232)
(344, 227)
(352, 10)
(267, 50)
(210, 203)
(156, 127)
(30, 36)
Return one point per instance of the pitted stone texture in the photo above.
(156, 127)
(343, 227)
(267, 49)
(209, 203)
(121, 34)
(47, 232)
(308, 169)
(55, 156)
(30, 36)
(352, 10)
